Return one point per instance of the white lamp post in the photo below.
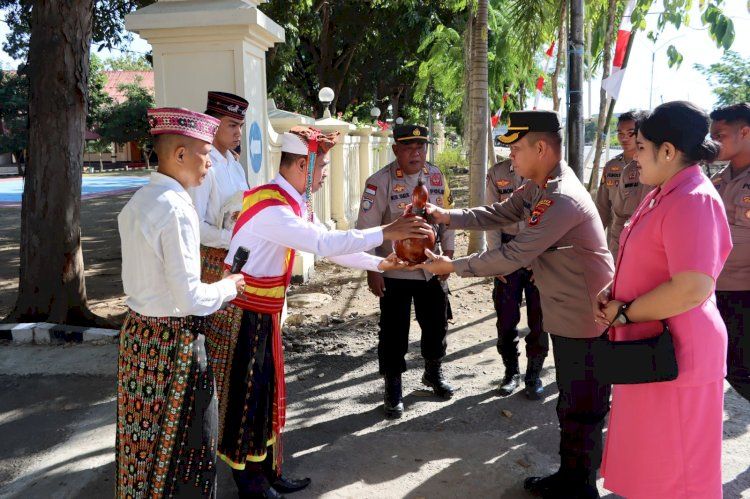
(325, 96)
(375, 113)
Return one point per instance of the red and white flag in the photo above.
(496, 117)
(613, 82)
(540, 80)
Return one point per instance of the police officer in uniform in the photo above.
(621, 191)
(731, 127)
(508, 290)
(386, 195)
(563, 241)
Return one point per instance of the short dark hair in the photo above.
(287, 158)
(213, 114)
(685, 126)
(634, 116)
(733, 114)
(552, 138)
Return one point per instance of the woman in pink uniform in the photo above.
(664, 439)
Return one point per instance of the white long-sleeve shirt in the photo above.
(161, 265)
(225, 179)
(274, 229)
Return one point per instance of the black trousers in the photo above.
(507, 299)
(582, 406)
(430, 307)
(735, 309)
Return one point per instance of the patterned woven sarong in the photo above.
(166, 410)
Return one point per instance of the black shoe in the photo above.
(392, 403)
(509, 384)
(289, 485)
(433, 377)
(559, 486)
(534, 389)
(254, 485)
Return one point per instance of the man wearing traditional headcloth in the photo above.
(276, 221)
(219, 198)
(166, 407)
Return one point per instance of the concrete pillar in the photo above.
(366, 165)
(385, 152)
(202, 45)
(337, 189)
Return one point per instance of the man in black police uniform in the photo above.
(502, 181)
(386, 195)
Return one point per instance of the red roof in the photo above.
(116, 78)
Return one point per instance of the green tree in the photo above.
(126, 122)
(98, 98)
(55, 37)
(14, 114)
(128, 62)
(730, 78)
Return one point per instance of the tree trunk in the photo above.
(606, 68)
(561, 48)
(480, 118)
(574, 143)
(466, 103)
(51, 281)
(146, 153)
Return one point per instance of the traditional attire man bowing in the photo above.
(166, 407)
(276, 221)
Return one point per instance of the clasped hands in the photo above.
(606, 309)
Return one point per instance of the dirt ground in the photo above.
(57, 411)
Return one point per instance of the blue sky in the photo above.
(685, 82)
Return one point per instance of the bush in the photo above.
(449, 159)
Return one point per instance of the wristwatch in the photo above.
(621, 318)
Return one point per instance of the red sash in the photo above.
(267, 294)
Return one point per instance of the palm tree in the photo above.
(480, 116)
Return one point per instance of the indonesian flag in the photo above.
(496, 117)
(613, 82)
(540, 80)
(383, 125)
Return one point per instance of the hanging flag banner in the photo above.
(613, 82)
(540, 80)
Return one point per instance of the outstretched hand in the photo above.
(392, 262)
(437, 264)
(406, 228)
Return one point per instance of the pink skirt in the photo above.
(665, 441)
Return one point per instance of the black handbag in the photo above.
(649, 360)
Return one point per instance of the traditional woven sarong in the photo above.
(166, 410)
(222, 327)
(253, 396)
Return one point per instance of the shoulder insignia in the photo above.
(539, 209)
(436, 179)
(366, 204)
(399, 173)
(371, 189)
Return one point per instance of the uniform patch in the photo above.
(436, 179)
(615, 168)
(399, 188)
(401, 205)
(399, 173)
(747, 214)
(610, 183)
(439, 201)
(539, 209)
(366, 204)
(502, 183)
(425, 170)
(746, 200)
(371, 189)
(632, 176)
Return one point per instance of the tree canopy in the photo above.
(730, 78)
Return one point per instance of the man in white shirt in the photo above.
(218, 199)
(276, 221)
(166, 407)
